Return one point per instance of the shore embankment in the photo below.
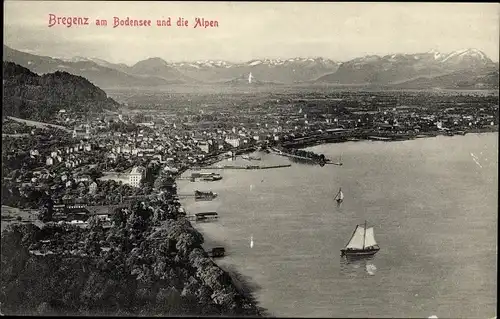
(373, 135)
(242, 284)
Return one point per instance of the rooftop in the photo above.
(137, 170)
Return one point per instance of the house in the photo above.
(135, 176)
(93, 188)
(49, 161)
(235, 142)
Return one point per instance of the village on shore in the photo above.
(91, 164)
(102, 188)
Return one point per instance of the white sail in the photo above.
(250, 78)
(340, 195)
(360, 239)
(370, 238)
(356, 241)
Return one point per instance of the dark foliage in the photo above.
(134, 268)
(30, 96)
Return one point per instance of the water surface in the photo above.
(432, 202)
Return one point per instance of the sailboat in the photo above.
(251, 241)
(362, 243)
(250, 77)
(339, 197)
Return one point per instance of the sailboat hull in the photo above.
(359, 252)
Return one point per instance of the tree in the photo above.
(47, 210)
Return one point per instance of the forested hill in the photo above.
(31, 96)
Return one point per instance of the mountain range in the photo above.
(469, 68)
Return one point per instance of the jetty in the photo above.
(281, 153)
(248, 166)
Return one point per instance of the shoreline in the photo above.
(375, 136)
(245, 285)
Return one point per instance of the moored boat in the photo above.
(206, 176)
(198, 195)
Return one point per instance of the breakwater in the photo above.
(247, 167)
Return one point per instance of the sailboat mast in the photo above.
(364, 236)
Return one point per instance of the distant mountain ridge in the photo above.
(102, 76)
(392, 69)
(372, 70)
(31, 96)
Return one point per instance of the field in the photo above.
(37, 124)
(11, 215)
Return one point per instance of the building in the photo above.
(235, 142)
(93, 188)
(135, 176)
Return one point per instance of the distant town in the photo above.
(94, 163)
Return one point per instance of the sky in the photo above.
(252, 30)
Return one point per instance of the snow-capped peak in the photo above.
(437, 55)
(257, 62)
(475, 53)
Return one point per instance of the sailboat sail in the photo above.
(356, 241)
(340, 196)
(360, 239)
(250, 77)
(370, 238)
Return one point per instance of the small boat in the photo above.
(206, 216)
(217, 252)
(251, 241)
(362, 243)
(198, 195)
(210, 177)
(339, 197)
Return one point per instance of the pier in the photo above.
(281, 153)
(247, 167)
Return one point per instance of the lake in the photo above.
(432, 203)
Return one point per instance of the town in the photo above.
(91, 164)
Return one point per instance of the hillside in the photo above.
(484, 79)
(149, 263)
(31, 96)
(159, 68)
(105, 76)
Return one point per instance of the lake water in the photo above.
(432, 203)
